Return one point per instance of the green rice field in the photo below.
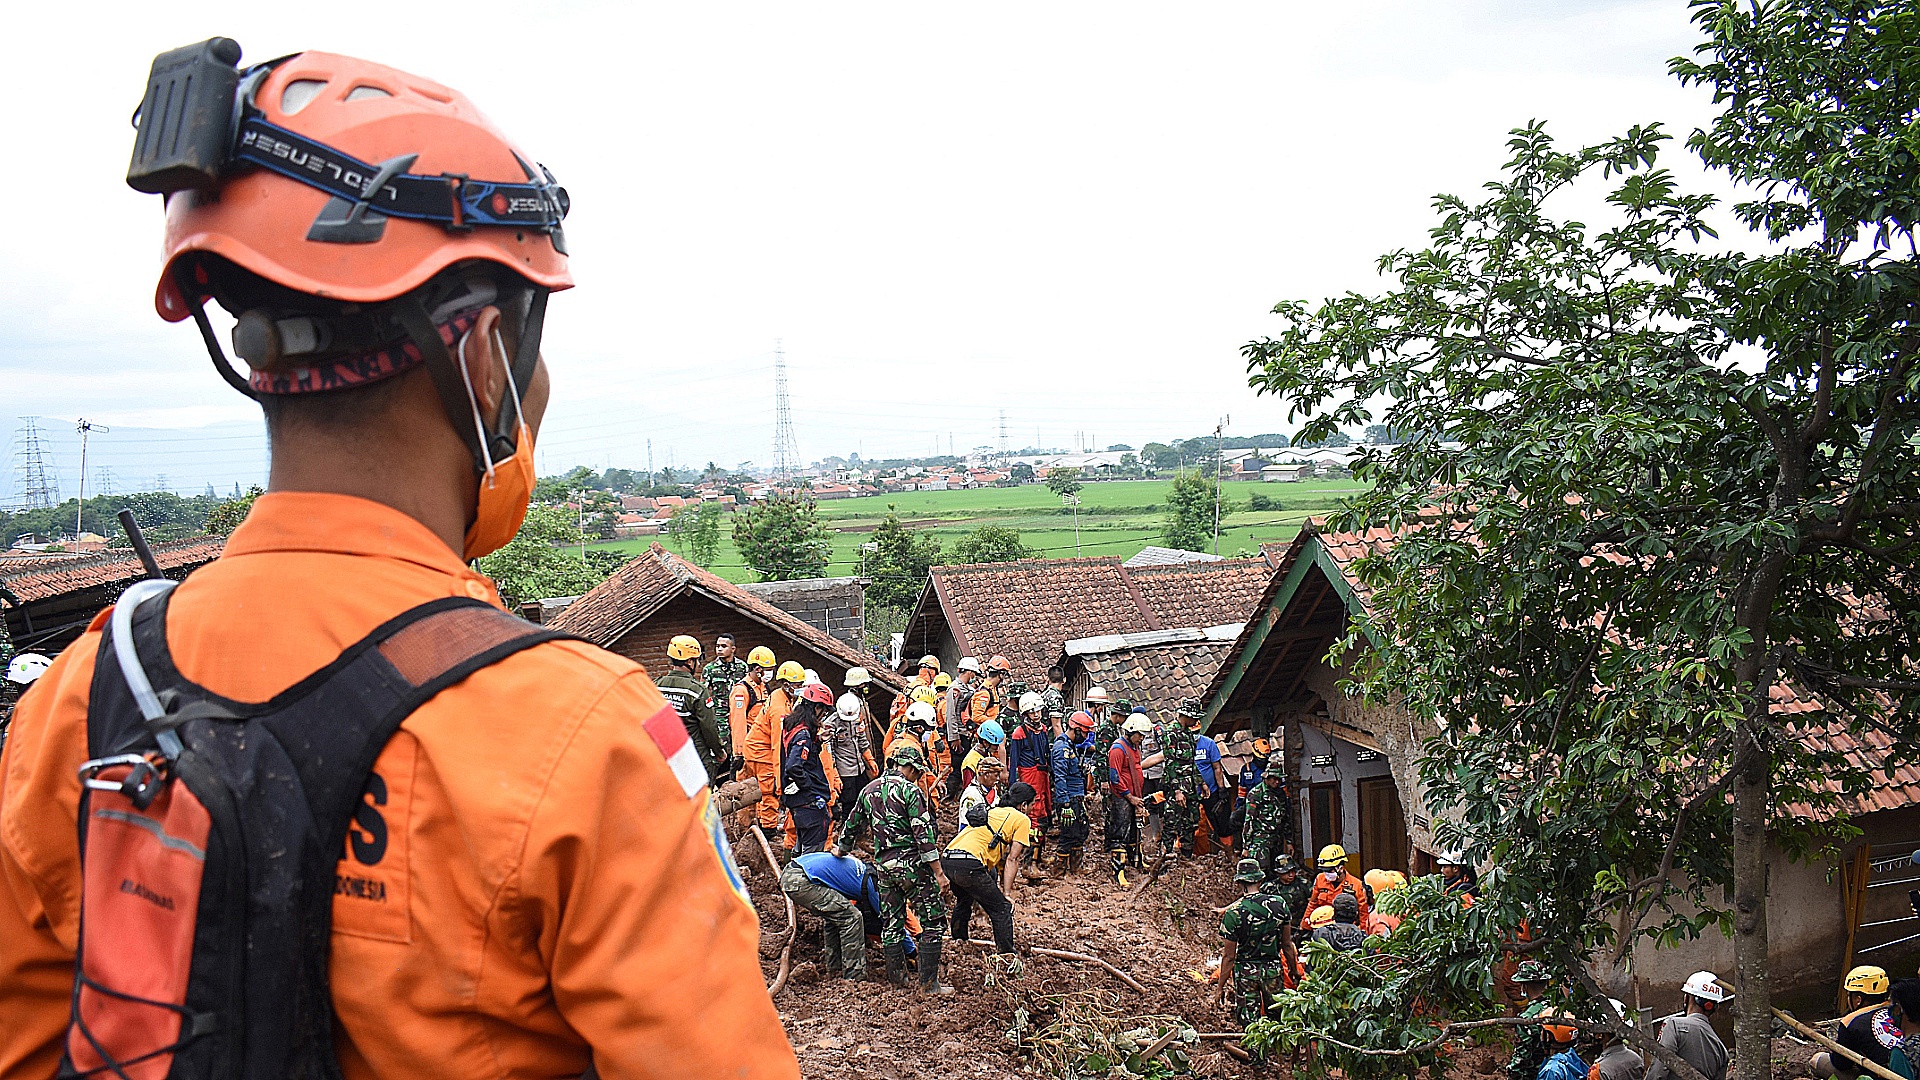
(1116, 518)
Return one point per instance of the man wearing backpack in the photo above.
(531, 880)
(979, 863)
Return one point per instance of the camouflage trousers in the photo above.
(1178, 823)
(1254, 984)
(901, 884)
(1262, 845)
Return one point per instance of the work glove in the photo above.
(1064, 816)
(735, 764)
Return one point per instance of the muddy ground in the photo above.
(1159, 936)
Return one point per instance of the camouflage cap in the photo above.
(1192, 707)
(1532, 971)
(1248, 870)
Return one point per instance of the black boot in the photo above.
(929, 958)
(896, 956)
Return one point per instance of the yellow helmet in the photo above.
(1867, 979)
(925, 694)
(683, 647)
(761, 656)
(1331, 856)
(791, 672)
(1382, 880)
(1321, 916)
(942, 681)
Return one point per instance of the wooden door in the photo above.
(1383, 829)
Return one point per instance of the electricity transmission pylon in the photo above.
(37, 487)
(786, 451)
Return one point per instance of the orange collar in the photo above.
(341, 525)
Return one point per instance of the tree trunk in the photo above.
(1753, 1018)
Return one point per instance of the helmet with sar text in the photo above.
(357, 221)
(907, 753)
(991, 733)
(762, 657)
(683, 647)
(818, 693)
(27, 667)
(791, 672)
(1706, 986)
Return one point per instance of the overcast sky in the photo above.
(1075, 213)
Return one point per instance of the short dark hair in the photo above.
(1019, 794)
(1056, 674)
(723, 637)
(1905, 995)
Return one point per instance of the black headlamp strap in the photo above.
(526, 356)
(441, 363)
(197, 304)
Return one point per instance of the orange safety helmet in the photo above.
(266, 222)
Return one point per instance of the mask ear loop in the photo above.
(473, 402)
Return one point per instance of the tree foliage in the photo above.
(542, 559)
(1189, 525)
(1063, 482)
(990, 543)
(695, 529)
(897, 567)
(1686, 475)
(227, 516)
(782, 539)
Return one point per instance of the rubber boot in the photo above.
(1034, 874)
(1075, 858)
(896, 956)
(1119, 868)
(930, 984)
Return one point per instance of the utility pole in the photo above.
(38, 488)
(1218, 429)
(785, 448)
(85, 428)
(1074, 501)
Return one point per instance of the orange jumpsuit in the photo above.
(762, 751)
(552, 898)
(743, 708)
(1324, 892)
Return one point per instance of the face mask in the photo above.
(506, 487)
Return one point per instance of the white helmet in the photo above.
(1706, 986)
(858, 676)
(812, 677)
(1097, 696)
(849, 705)
(1138, 722)
(27, 667)
(1031, 703)
(920, 713)
(968, 663)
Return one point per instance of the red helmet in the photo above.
(264, 220)
(817, 692)
(999, 663)
(1081, 720)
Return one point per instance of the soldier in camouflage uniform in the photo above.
(1181, 781)
(720, 676)
(690, 698)
(1258, 932)
(906, 863)
(1530, 981)
(1291, 888)
(1269, 830)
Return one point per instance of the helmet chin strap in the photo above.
(197, 304)
(488, 443)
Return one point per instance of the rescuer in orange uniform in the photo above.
(543, 891)
(749, 695)
(762, 748)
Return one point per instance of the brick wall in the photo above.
(706, 620)
(834, 605)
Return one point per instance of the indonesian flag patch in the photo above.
(670, 735)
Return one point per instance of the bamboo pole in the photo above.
(793, 917)
(1835, 1048)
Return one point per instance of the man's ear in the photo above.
(486, 370)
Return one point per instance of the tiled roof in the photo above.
(644, 585)
(117, 568)
(1157, 676)
(1027, 610)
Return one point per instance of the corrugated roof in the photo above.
(115, 568)
(1027, 611)
(1166, 556)
(644, 585)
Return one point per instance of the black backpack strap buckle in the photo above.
(141, 783)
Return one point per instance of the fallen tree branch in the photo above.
(793, 916)
(1446, 1033)
(1062, 954)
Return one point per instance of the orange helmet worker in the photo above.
(533, 880)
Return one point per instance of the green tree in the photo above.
(782, 539)
(695, 529)
(1160, 456)
(990, 543)
(1685, 476)
(543, 558)
(227, 516)
(1021, 473)
(1189, 525)
(1063, 482)
(897, 567)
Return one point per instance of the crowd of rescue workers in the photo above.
(1026, 774)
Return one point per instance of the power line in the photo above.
(38, 488)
